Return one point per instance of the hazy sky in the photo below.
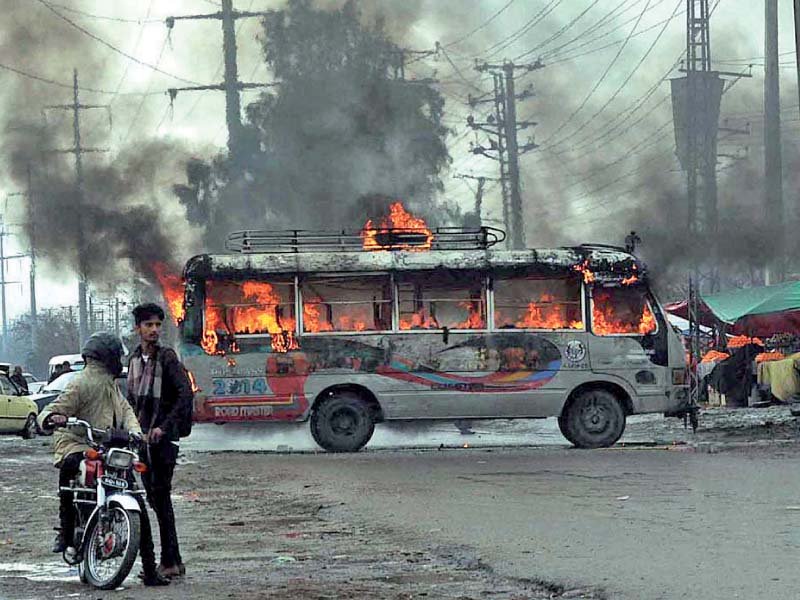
(574, 189)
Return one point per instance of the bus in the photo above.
(347, 332)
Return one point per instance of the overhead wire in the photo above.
(145, 21)
(70, 86)
(135, 119)
(481, 26)
(597, 84)
(622, 86)
(498, 47)
(135, 50)
(560, 32)
(111, 46)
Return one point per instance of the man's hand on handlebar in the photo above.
(54, 420)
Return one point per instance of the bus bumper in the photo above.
(674, 401)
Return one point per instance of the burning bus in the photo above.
(402, 322)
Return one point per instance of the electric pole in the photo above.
(797, 41)
(512, 149)
(79, 150)
(231, 84)
(32, 249)
(773, 170)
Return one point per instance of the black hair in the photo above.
(143, 312)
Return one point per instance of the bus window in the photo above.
(249, 307)
(436, 302)
(622, 311)
(347, 304)
(529, 303)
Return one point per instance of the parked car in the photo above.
(34, 385)
(52, 390)
(17, 410)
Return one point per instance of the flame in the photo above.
(608, 320)
(193, 381)
(630, 280)
(419, 320)
(474, 318)
(588, 276)
(258, 310)
(172, 290)
(546, 313)
(355, 318)
(398, 219)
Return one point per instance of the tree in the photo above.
(339, 126)
(57, 333)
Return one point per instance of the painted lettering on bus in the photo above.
(234, 412)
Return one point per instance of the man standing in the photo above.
(19, 379)
(161, 395)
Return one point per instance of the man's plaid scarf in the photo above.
(144, 383)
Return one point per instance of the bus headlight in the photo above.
(679, 376)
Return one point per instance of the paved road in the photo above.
(641, 523)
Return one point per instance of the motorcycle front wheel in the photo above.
(110, 552)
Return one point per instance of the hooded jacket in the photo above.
(93, 396)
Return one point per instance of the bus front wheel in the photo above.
(595, 418)
(342, 422)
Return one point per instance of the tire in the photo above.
(128, 557)
(595, 418)
(564, 427)
(30, 429)
(342, 422)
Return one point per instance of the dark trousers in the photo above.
(158, 483)
(68, 470)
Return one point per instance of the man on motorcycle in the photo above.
(93, 396)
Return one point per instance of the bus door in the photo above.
(539, 340)
(625, 329)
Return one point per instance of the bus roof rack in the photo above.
(296, 241)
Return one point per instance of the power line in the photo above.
(597, 84)
(112, 46)
(135, 49)
(135, 120)
(61, 84)
(610, 16)
(89, 15)
(481, 26)
(630, 75)
(560, 32)
(498, 47)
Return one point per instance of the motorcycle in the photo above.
(107, 529)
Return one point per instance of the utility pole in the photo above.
(116, 316)
(773, 170)
(32, 249)
(79, 150)
(513, 150)
(231, 84)
(797, 41)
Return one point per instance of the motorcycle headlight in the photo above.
(119, 459)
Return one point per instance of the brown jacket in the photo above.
(93, 396)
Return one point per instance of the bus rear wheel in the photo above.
(595, 418)
(342, 422)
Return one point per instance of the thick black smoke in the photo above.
(124, 212)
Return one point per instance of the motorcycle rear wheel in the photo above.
(105, 576)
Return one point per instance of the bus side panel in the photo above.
(421, 375)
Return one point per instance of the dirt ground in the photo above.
(243, 539)
(272, 525)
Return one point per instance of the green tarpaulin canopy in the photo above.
(759, 311)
